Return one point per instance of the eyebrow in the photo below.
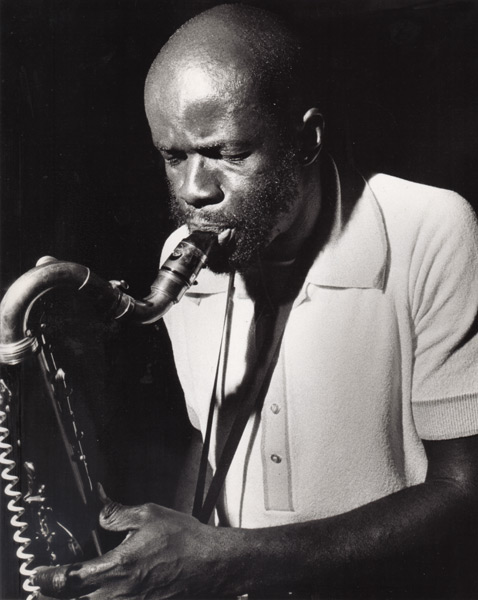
(220, 145)
(164, 149)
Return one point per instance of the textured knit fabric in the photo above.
(379, 352)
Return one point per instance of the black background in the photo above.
(81, 181)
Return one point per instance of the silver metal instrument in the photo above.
(36, 530)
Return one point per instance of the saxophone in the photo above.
(37, 533)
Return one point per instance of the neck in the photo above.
(286, 246)
(278, 271)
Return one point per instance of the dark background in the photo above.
(81, 181)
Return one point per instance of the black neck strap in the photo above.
(201, 480)
(254, 391)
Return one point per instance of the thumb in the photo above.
(117, 517)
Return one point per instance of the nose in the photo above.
(199, 185)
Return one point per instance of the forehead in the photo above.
(200, 98)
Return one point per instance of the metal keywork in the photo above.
(9, 475)
(63, 401)
(51, 540)
(61, 396)
(22, 343)
(39, 534)
(35, 526)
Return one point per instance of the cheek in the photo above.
(173, 178)
(237, 182)
(284, 222)
(246, 181)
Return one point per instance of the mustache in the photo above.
(200, 218)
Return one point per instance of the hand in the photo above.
(165, 554)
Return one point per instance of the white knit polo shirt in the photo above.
(379, 351)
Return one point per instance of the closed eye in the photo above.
(220, 154)
(172, 157)
(236, 157)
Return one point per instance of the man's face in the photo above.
(227, 163)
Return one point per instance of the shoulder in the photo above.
(417, 212)
(432, 236)
(419, 202)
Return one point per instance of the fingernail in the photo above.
(101, 493)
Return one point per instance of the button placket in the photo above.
(275, 445)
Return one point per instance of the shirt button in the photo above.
(276, 458)
(275, 408)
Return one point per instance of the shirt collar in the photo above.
(355, 256)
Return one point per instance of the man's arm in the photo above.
(419, 542)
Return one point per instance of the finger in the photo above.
(57, 582)
(99, 595)
(72, 581)
(102, 494)
(117, 517)
(42, 597)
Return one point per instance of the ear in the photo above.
(310, 136)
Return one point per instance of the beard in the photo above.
(257, 212)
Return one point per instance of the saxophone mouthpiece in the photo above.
(225, 237)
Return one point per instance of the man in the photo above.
(356, 474)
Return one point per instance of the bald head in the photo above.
(238, 46)
(223, 101)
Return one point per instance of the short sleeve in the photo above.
(444, 309)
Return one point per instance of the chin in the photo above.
(220, 266)
(222, 262)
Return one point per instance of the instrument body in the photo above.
(22, 342)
